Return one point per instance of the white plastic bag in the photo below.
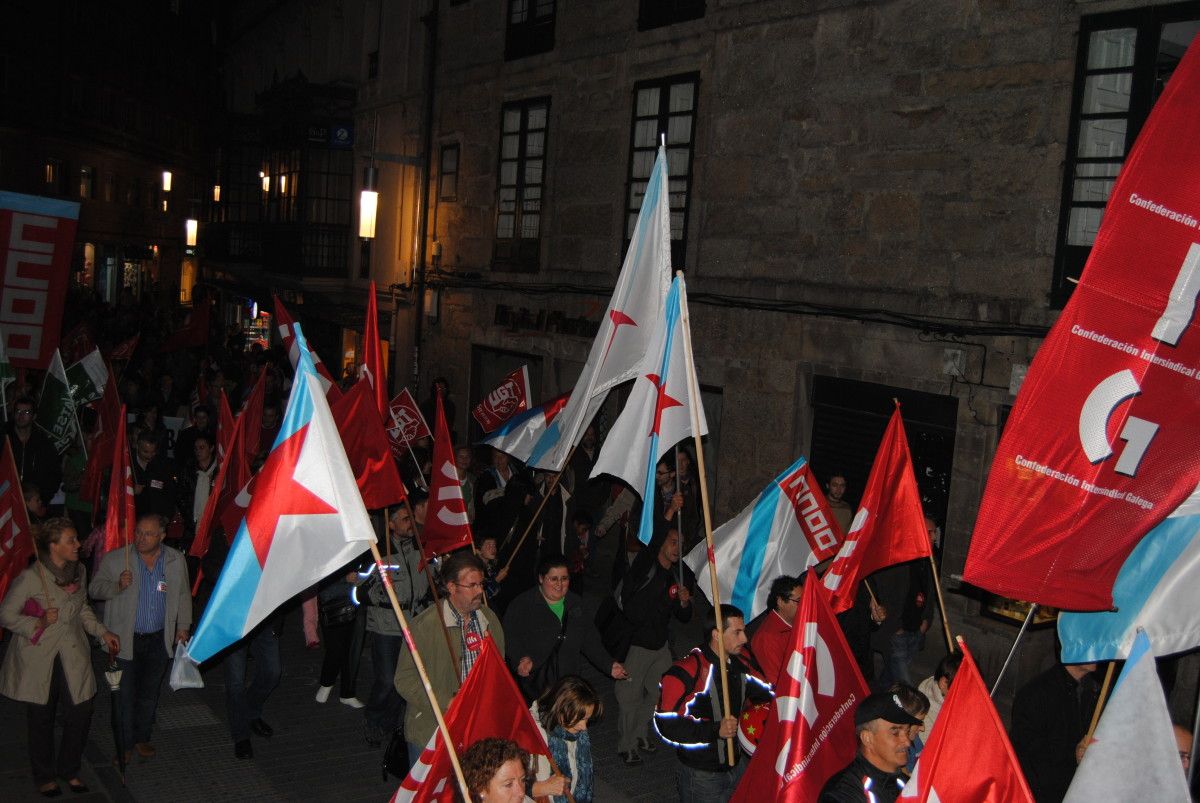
(184, 673)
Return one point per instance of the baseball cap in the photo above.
(885, 706)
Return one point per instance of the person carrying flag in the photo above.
(689, 709)
(882, 727)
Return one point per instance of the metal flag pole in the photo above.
(1012, 651)
(693, 406)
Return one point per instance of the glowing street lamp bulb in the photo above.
(193, 227)
(166, 180)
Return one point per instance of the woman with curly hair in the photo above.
(495, 770)
(48, 664)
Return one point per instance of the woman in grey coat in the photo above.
(48, 664)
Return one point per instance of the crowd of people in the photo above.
(550, 549)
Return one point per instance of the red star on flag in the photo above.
(618, 319)
(277, 494)
(662, 403)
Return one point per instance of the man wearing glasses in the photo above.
(37, 460)
(772, 638)
(449, 655)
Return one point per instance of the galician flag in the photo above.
(88, 377)
(625, 343)
(658, 414)
(518, 435)
(56, 408)
(1133, 755)
(788, 528)
(1157, 590)
(306, 519)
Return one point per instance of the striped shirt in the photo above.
(151, 613)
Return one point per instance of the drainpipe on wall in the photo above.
(431, 30)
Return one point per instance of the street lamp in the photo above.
(192, 226)
(368, 203)
(166, 180)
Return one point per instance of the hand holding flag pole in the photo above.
(541, 506)
(694, 407)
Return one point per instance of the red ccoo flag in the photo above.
(488, 704)
(367, 447)
(955, 768)
(809, 734)
(889, 527)
(16, 540)
(118, 524)
(510, 397)
(374, 368)
(447, 527)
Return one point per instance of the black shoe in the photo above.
(647, 746)
(51, 791)
(78, 788)
(243, 749)
(259, 727)
(631, 759)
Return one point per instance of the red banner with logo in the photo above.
(1101, 443)
(510, 397)
(407, 424)
(36, 238)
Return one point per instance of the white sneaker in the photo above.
(353, 702)
(323, 693)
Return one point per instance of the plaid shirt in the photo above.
(467, 656)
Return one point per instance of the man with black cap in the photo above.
(881, 726)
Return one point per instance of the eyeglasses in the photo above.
(470, 586)
(24, 412)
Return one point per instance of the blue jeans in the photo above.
(905, 647)
(385, 706)
(705, 786)
(141, 682)
(245, 703)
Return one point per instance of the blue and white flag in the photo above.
(658, 414)
(1133, 754)
(305, 520)
(626, 339)
(1158, 589)
(788, 528)
(518, 436)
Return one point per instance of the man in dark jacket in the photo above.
(153, 478)
(38, 462)
(651, 594)
(881, 726)
(691, 714)
(1050, 715)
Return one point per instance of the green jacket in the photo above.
(440, 664)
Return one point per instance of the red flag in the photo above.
(16, 540)
(285, 324)
(252, 410)
(488, 704)
(809, 735)
(889, 527)
(405, 423)
(125, 350)
(446, 525)
(374, 367)
(366, 447)
(979, 769)
(194, 332)
(1100, 445)
(118, 525)
(225, 425)
(76, 344)
(508, 399)
(99, 452)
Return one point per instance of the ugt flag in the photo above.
(809, 734)
(510, 397)
(406, 424)
(624, 345)
(305, 520)
(488, 704)
(658, 414)
(1099, 447)
(1157, 589)
(788, 528)
(518, 435)
(956, 769)
(1133, 755)
(889, 527)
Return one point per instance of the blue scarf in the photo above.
(583, 762)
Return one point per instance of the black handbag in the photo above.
(340, 610)
(395, 755)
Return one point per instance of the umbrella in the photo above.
(112, 673)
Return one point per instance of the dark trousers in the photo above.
(141, 682)
(77, 720)
(245, 703)
(340, 658)
(385, 706)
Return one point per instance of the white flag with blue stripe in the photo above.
(657, 415)
(626, 339)
(788, 528)
(1158, 589)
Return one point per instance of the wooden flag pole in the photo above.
(937, 584)
(387, 530)
(1108, 675)
(412, 646)
(693, 405)
(541, 506)
(679, 516)
(437, 598)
